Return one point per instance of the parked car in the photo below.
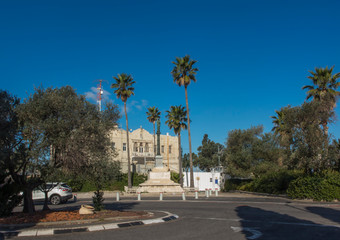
(59, 193)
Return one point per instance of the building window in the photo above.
(141, 147)
(146, 147)
(162, 149)
(124, 147)
(135, 147)
(169, 148)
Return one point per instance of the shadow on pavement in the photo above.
(328, 213)
(120, 206)
(257, 223)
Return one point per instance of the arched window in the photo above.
(135, 147)
(146, 147)
(141, 147)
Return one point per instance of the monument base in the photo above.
(159, 181)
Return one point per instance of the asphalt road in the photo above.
(222, 218)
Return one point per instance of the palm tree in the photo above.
(176, 121)
(123, 90)
(153, 115)
(183, 73)
(278, 122)
(324, 88)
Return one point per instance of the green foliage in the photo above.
(235, 183)
(153, 114)
(98, 200)
(209, 154)
(175, 177)
(272, 182)
(184, 72)
(123, 86)
(247, 149)
(80, 184)
(324, 186)
(305, 142)
(324, 85)
(186, 161)
(9, 197)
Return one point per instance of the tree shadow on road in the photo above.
(120, 206)
(328, 213)
(257, 223)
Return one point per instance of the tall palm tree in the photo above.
(153, 115)
(183, 73)
(324, 88)
(123, 90)
(176, 121)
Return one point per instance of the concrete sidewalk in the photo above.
(53, 228)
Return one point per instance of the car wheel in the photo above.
(55, 199)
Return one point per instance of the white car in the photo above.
(59, 193)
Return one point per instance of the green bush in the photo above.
(319, 187)
(78, 185)
(174, 176)
(272, 182)
(235, 184)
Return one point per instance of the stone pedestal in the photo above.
(159, 180)
(159, 162)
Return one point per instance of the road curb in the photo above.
(90, 228)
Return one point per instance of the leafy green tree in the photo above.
(11, 152)
(62, 130)
(334, 155)
(176, 121)
(324, 89)
(153, 115)
(209, 154)
(308, 142)
(123, 90)
(183, 73)
(250, 153)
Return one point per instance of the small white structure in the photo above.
(204, 180)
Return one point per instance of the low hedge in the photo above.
(272, 182)
(324, 186)
(235, 183)
(117, 184)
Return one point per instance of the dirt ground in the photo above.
(55, 216)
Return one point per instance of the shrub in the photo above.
(174, 176)
(324, 186)
(235, 184)
(98, 200)
(273, 182)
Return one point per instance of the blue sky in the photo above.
(253, 56)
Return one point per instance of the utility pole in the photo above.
(99, 95)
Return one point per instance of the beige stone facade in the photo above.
(142, 150)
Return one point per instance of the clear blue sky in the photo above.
(253, 56)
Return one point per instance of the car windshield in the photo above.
(65, 185)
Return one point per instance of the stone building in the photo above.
(142, 155)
